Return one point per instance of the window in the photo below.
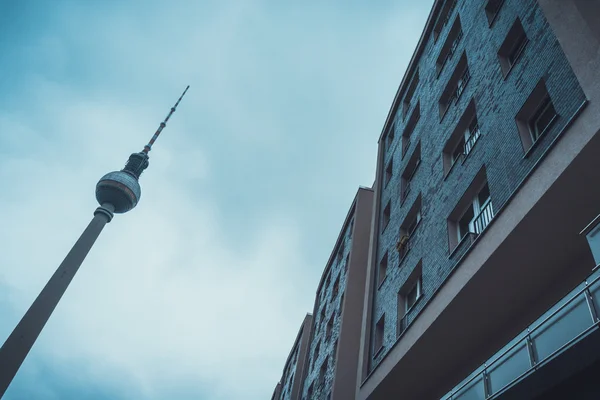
(379, 331)
(463, 138)
(542, 119)
(473, 212)
(412, 218)
(536, 116)
(340, 252)
(329, 328)
(444, 17)
(412, 87)
(455, 86)
(322, 319)
(450, 46)
(408, 296)
(310, 391)
(336, 287)
(341, 307)
(461, 84)
(315, 354)
(386, 215)
(389, 138)
(512, 47)
(323, 371)
(409, 172)
(408, 227)
(475, 218)
(388, 172)
(381, 273)
(491, 9)
(410, 127)
(413, 295)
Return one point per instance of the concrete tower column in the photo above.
(20, 341)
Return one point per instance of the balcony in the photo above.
(565, 324)
(483, 219)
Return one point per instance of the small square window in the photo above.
(463, 138)
(383, 264)
(379, 332)
(386, 215)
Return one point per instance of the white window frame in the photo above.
(477, 208)
(417, 285)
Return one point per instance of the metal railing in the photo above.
(483, 219)
(461, 84)
(470, 142)
(566, 322)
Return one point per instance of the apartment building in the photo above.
(481, 277)
(332, 361)
(486, 176)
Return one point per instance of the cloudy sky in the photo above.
(198, 292)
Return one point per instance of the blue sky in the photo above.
(198, 292)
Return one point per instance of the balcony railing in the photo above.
(470, 142)
(568, 321)
(484, 218)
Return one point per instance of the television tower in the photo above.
(116, 192)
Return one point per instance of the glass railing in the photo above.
(562, 325)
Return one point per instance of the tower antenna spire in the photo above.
(148, 147)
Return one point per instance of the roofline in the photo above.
(412, 64)
(351, 212)
(296, 341)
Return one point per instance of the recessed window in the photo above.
(386, 215)
(389, 138)
(450, 45)
(323, 371)
(381, 273)
(322, 319)
(340, 253)
(491, 9)
(388, 172)
(408, 227)
(463, 138)
(327, 281)
(379, 332)
(512, 47)
(456, 85)
(461, 84)
(409, 172)
(413, 295)
(409, 294)
(443, 18)
(410, 127)
(341, 303)
(412, 87)
(310, 391)
(473, 213)
(315, 354)
(536, 116)
(329, 327)
(542, 119)
(336, 287)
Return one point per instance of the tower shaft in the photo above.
(22, 338)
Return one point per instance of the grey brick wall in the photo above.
(332, 305)
(499, 148)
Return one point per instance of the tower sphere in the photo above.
(120, 189)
